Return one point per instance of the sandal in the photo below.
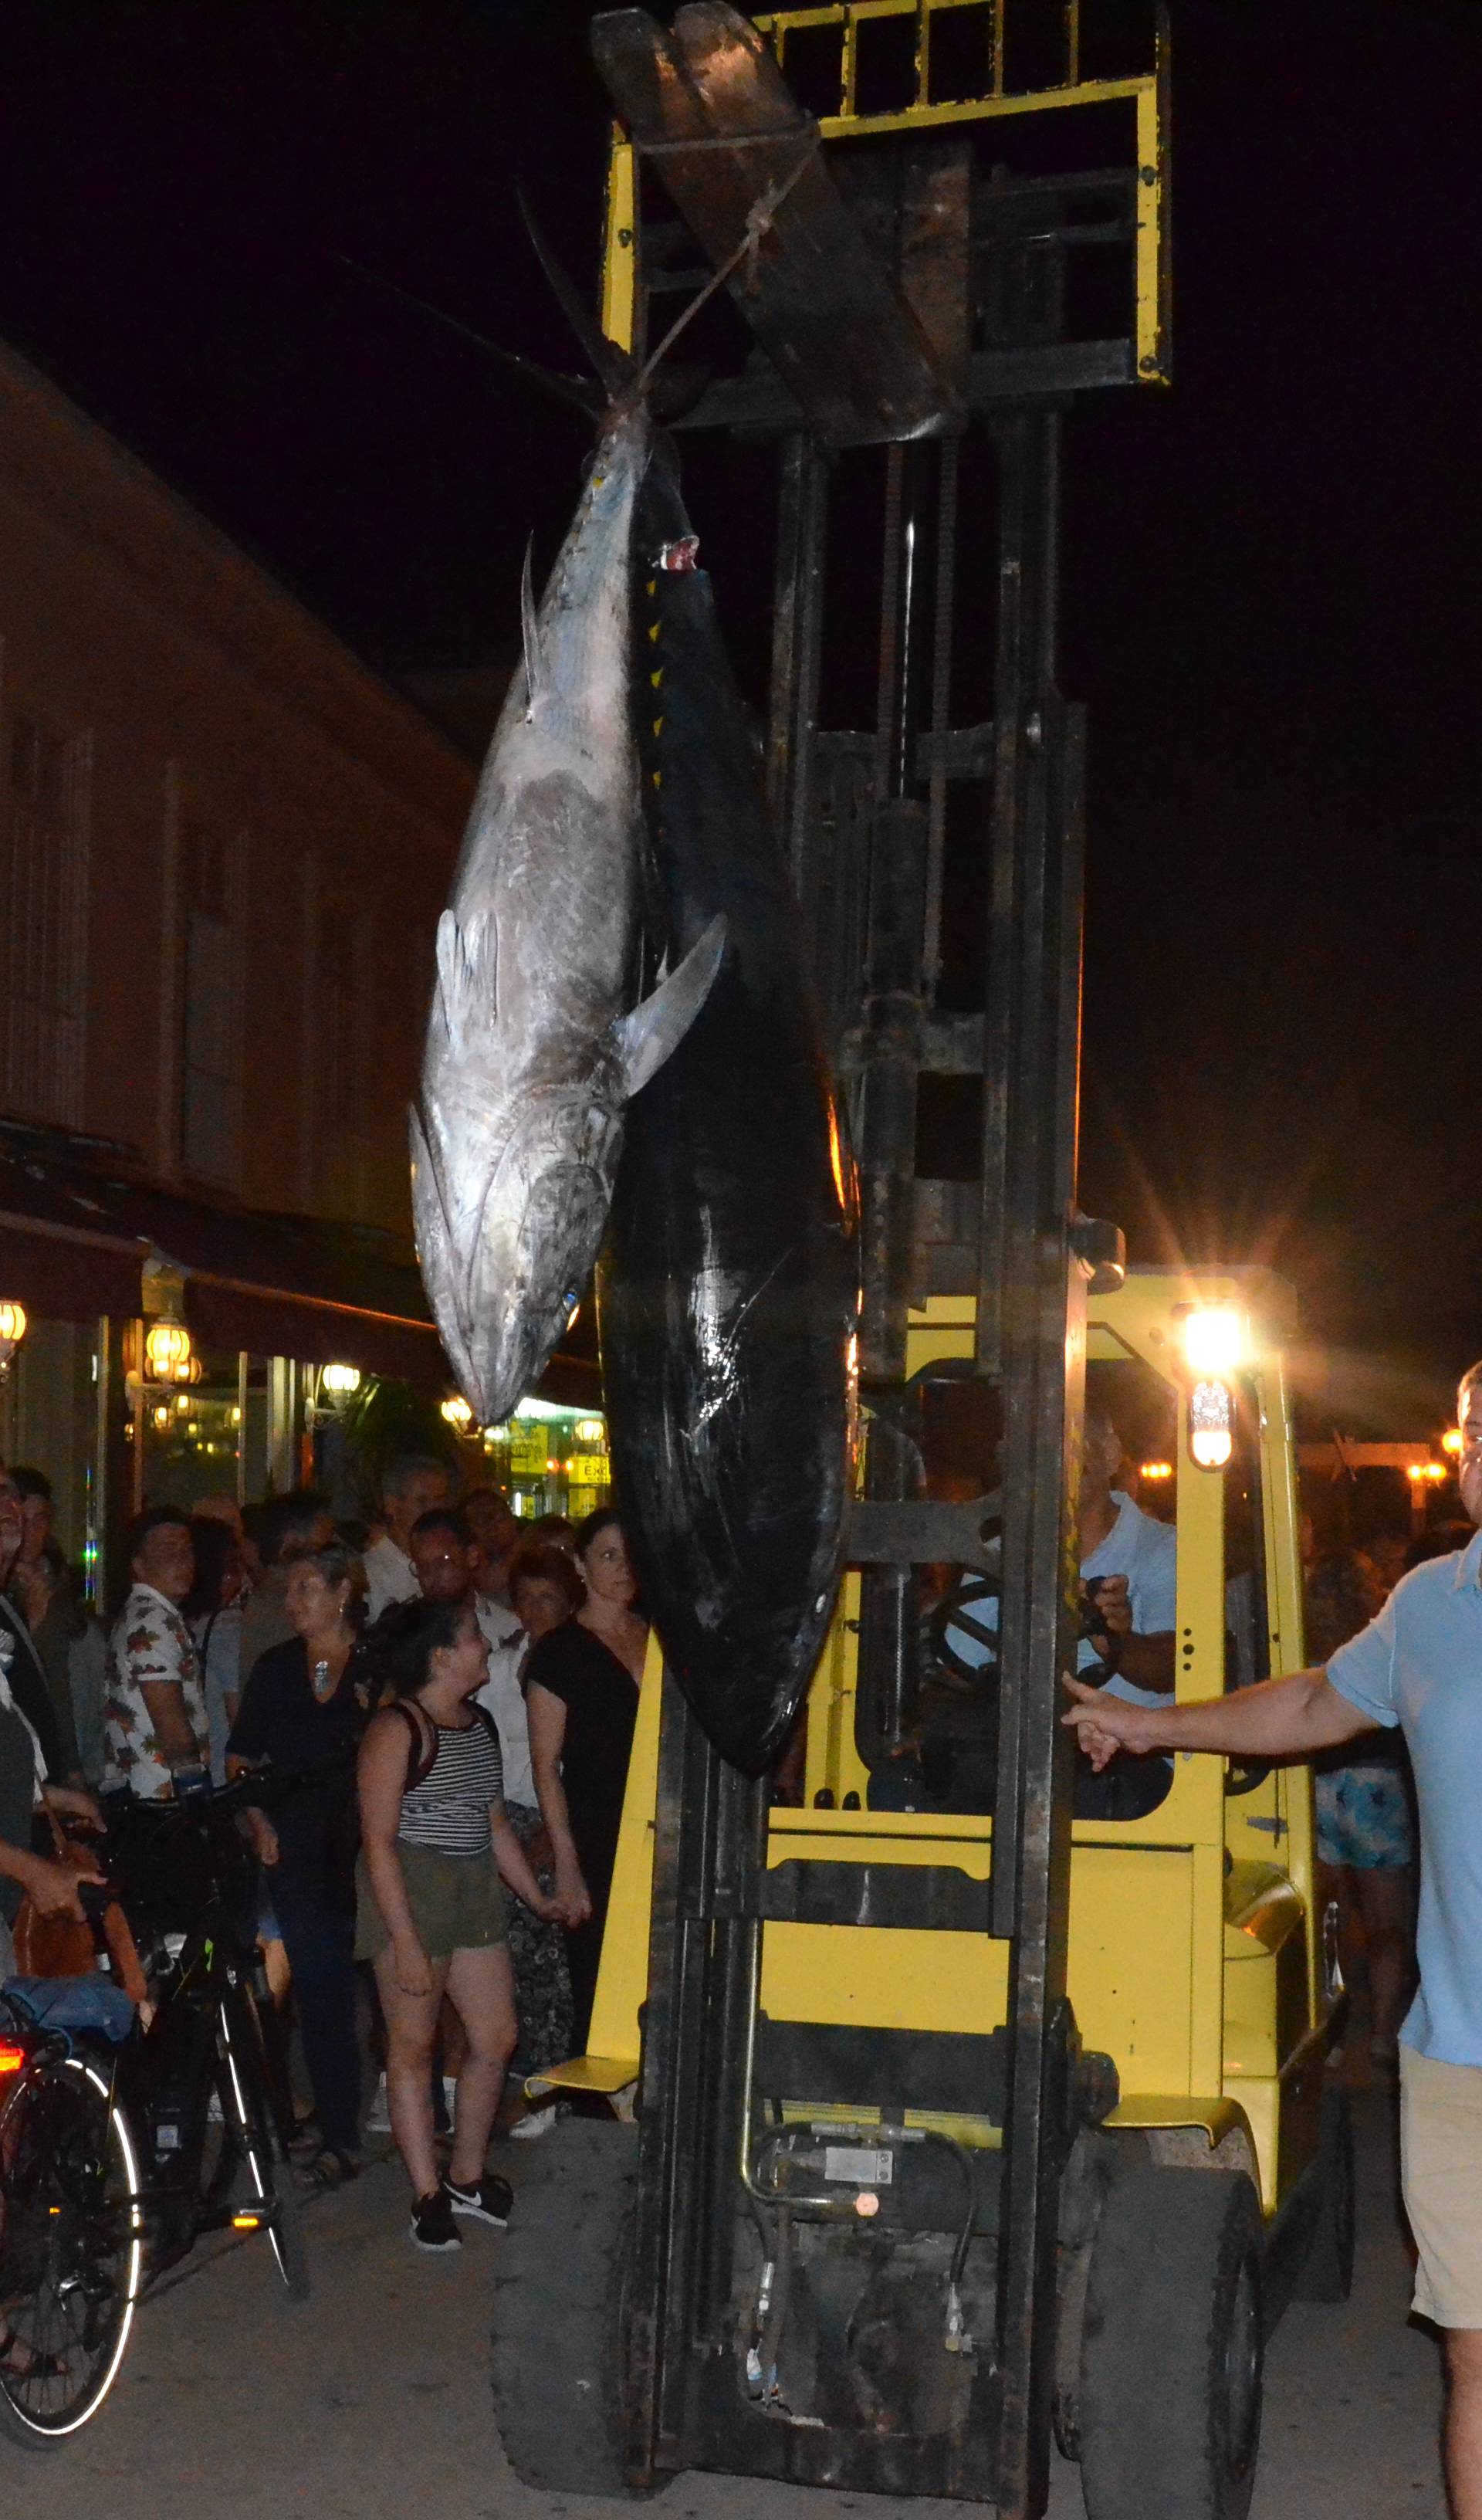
(39, 2366)
(328, 2169)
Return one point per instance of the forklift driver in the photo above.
(1129, 1571)
(1128, 1565)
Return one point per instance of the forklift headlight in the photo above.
(1214, 1339)
(1211, 1425)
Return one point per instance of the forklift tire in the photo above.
(1170, 2403)
(558, 2313)
(1326, 2271)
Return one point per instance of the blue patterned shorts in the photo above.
(1364, 1819)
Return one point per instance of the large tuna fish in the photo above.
(534, 1042)
(729, 1288)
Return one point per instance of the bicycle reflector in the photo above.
(246, 2222)
(12, 2057)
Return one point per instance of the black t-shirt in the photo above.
(601, 1699)
(280, 1720)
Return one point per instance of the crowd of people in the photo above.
(445, 1703)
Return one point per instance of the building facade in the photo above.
(224, 845)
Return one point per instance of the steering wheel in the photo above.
(961, 1607)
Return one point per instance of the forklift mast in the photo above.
(926, 264)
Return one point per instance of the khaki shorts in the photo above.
(457, 1903)
(1441, 2168)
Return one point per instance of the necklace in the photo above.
(323, 1684)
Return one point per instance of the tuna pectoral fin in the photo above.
(467, 971)
(645, 1037)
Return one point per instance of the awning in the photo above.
(75, 1232)
(75, 1236)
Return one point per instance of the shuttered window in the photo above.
(210, 1004)
(45, 880)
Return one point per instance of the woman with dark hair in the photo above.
(581, 1693)
(305, 1705)
(212, 1611)
(436, 1844)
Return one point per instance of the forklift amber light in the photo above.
(1211, 1425)
(1214, 1339)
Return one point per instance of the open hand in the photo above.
(1104, 1724)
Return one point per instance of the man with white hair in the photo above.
(417, 1483)
(1418, 1666)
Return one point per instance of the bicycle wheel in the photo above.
(265, 2150)
(72, 2246)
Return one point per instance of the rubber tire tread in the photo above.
(558, 2307)
(12, 2424)
(1164, 2268)
(1326, 2271)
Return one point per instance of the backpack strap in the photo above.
(421, 1750)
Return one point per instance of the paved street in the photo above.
(373, 2400)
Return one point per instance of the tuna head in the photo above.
(507, 1234)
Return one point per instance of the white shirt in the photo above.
(389, 1577)
(1147, 1553)
(502, 1697)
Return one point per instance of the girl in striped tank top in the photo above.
(431, 1908)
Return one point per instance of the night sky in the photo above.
(1271, 600)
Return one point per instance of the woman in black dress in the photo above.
(581, 1695)
(305, 1705)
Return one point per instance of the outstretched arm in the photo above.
(1289, 1718)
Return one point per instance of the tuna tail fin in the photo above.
(647, 1036)
(573, 390)
(612, 365)
(467, 971)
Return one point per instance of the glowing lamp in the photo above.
(1156, 1470)
(1214, 1339)
(12, 2057)
(458, 1413)
(1211, 1425)
(339, 1380)
(12, 1324)
(1451, 1441)
(589, 1430)
(167, 1352)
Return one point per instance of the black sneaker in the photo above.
(433, 2224)
(489, 2202)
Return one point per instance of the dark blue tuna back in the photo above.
(729, 1290)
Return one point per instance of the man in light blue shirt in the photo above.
(1417, 1665)
(1132, 1562)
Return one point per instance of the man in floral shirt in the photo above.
(155, 1714)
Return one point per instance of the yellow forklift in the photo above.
(960, 2107)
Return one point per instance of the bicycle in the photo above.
(204, 2078)
(127, 2132)
(72, 2222)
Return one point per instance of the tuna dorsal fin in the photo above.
(647, 1036)
(529, 628)
(468, 970)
